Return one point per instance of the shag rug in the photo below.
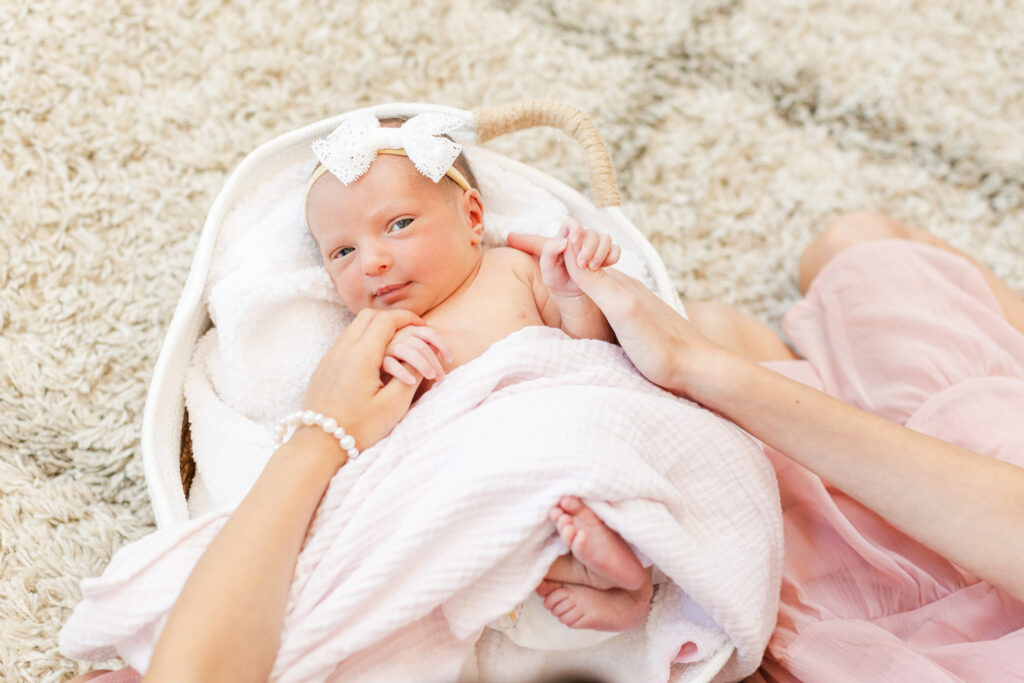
(738, 128)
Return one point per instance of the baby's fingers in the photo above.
(418, 354)
(601, 253)
(589, 248)
(394, 368)
(431, 337)
(595, 250)
(607, 254)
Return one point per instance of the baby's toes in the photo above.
(571, 504)
(586, 517)
(571, 616)
(566, 529)
(555, 598)
(544, 588)
(563, 607)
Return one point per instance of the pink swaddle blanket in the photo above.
(442, 527)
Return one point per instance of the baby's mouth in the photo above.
(389, 291)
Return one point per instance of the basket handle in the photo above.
(515, 116)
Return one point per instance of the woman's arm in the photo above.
(226, 624)
(967, 507)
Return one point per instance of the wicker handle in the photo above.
(509, 118)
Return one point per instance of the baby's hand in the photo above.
(588, 249)
(420, 347)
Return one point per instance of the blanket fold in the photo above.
(440, 528)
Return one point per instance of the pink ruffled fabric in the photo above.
(913, 334)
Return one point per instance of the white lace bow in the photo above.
(348, 151)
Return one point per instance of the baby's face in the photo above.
(394, 238)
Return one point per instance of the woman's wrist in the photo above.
(711, 376)
(312, 418)
(312, 442)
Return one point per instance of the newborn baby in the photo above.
(399, 224)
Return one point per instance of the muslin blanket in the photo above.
(440, 528)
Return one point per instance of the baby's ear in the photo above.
(472, 207)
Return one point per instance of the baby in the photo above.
(398, 220)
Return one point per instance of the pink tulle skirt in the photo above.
(913, 334)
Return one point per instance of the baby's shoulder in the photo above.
(508, 258)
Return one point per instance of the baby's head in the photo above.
(391, 237)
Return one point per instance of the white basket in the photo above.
(163, 419)
(162, 422)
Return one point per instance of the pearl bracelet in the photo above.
(310, 418)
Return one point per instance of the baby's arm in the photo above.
(572, 250)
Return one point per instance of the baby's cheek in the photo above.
(349, 292)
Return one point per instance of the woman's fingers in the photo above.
(382, 328)
(610, 287)
(346, 385)
(395, 396)
(531, 244)
(660, 342)
(359, 324)
(368, 336)
(535, 244)
(626, 302)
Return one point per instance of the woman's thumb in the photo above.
(611, 290)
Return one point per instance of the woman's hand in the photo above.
(347, 385)
(662, 344)
(217, 631)
(964, 506)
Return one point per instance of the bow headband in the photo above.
(348, 151)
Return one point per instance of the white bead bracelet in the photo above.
(310, 418)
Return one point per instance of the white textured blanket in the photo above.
(442, 527)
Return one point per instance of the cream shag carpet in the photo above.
(739, 129)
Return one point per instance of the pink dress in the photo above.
(912, 334)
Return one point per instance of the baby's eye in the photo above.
(344, 251)
(400, 224)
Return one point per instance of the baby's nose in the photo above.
(376, 261)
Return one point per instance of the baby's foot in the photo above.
(567, 569)
(608, 559)
(616, 609)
